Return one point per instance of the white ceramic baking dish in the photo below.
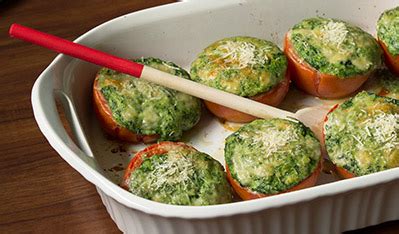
(177, 32)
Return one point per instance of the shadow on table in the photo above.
(391, 227)
(8, 4)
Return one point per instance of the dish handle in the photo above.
(73, 121)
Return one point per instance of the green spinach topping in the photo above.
(181, 176)
(388, 30)
(271, 156)
(146, 108)
(335, 47)
(362, 134)
(245, 66)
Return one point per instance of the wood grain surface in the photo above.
(39, 192)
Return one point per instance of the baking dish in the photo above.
(178, 32)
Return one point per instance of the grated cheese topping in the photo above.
(241, 54)
(177, 169)
(334, 33)
(272, 141)
(384, 129)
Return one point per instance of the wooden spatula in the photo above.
(311, 116)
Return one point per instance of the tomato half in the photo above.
(109, 124)
(155, 149)
(343, 173)
(247, 194)
(273, 97)
(318, 84)
(392, 61)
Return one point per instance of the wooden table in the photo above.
(39, 192)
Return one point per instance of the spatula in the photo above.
(311, 116)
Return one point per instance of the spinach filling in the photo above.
(335, 47)
(271, 156)
(388, 30)
(145, 108)
(361, 135)
(181, 177)
(245, 66)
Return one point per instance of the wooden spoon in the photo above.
(311, 116)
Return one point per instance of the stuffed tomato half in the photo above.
(136, 110)
(268, 157)
(176, 173)
(249, 67)
(329, 58)
(361, 135)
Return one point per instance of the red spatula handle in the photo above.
(76, 50)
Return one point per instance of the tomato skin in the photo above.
(341, 172)
(155, 149)
(247, 194)
(392, 61)
(273, 97)
(318, 84)
(104, 115)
